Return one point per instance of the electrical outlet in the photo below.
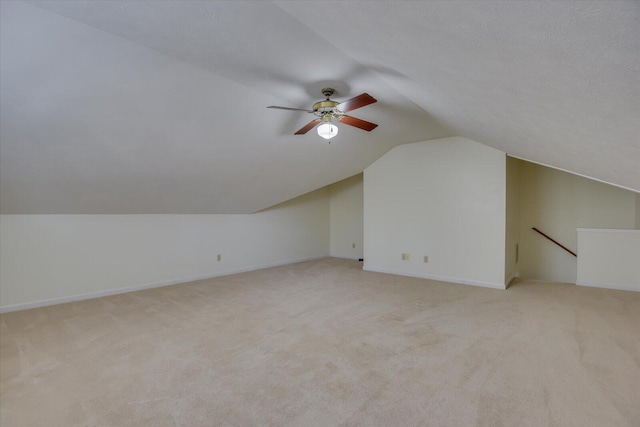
(353, 245)
(219, 257)
(405, 257)
(426, 259)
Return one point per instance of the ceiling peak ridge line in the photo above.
(357, 68)
(186, 63)
(368, 67)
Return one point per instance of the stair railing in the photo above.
(554, 241)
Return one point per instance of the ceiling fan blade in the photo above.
(357, 102)
(306, 128)
(291, 109)
(359, 123)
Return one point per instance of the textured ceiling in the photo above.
(159, 107)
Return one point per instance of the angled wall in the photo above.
(444, 199)
(46, 259)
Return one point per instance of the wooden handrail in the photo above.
(562, 246)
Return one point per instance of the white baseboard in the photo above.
(439, 278)
(607, 286)
(98, 294)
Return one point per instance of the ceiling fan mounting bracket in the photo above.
(328, 92)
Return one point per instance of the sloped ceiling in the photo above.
(159, 107)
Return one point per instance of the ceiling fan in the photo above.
(327, 110)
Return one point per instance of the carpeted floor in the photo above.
(322, 343)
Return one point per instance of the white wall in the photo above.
(347, 217)
(512, 221)
(443, 198)
(637, 211)
(609, 258)
(56, 258)
(557, 203)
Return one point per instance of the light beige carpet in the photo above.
(323, 343)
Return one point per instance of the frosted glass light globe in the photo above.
(327, 130)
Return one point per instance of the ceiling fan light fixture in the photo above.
(328, 109)
(327, 130)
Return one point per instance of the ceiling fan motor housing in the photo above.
(326, 107)
(321, 108)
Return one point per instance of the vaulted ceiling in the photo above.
(159, 106)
